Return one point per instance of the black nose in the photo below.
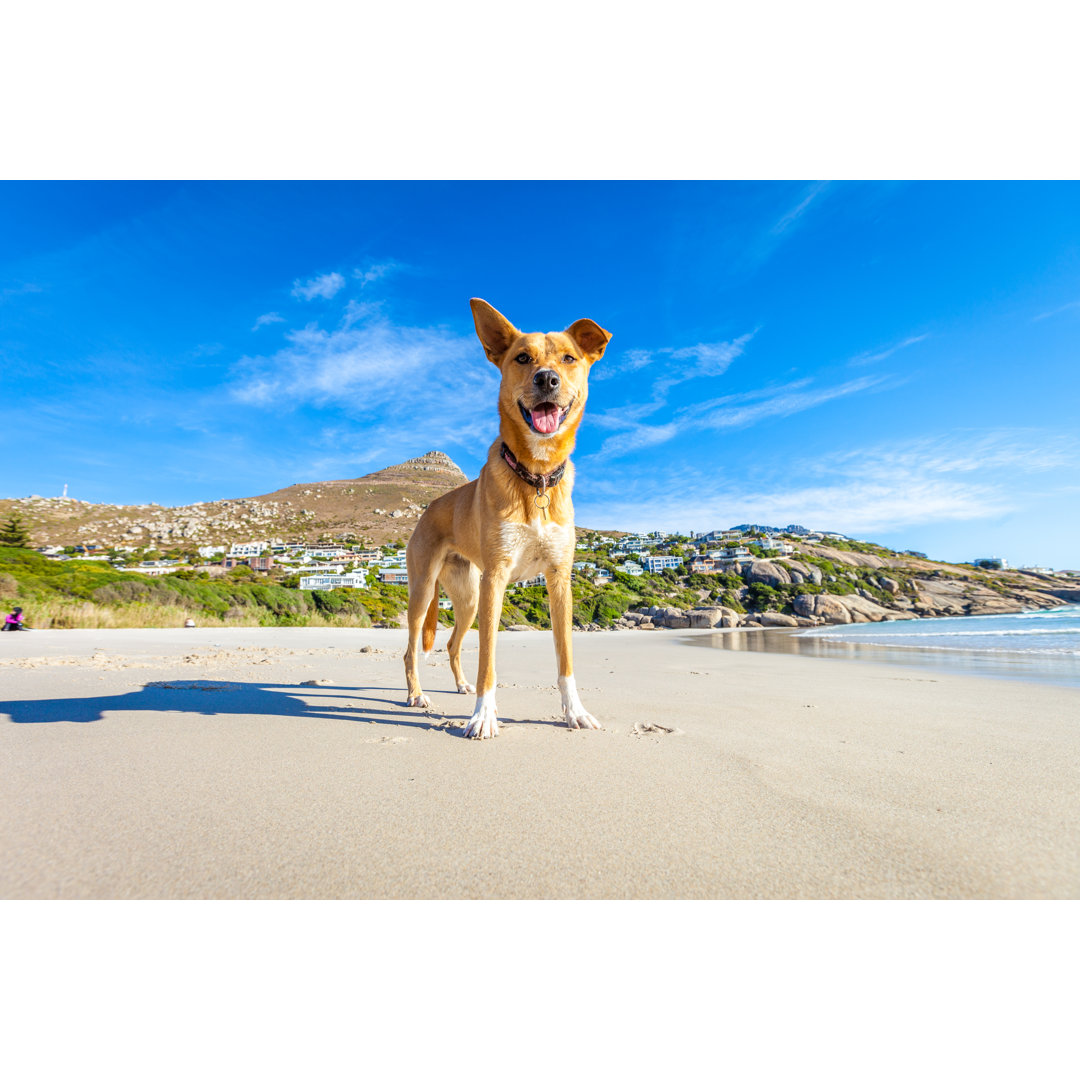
(546, 381)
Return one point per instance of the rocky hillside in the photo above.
(376, 509)
(819, 585)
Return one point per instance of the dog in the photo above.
(515, 520)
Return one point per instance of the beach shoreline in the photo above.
(282, 763)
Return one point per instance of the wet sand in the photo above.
(198, 764)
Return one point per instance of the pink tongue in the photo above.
(545, 418)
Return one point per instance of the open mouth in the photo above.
(545, 418)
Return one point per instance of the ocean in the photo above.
(1041, 645)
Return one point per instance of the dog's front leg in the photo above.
(483, 723)
(561, 601)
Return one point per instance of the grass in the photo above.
(76, 594)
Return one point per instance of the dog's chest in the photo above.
(534, 547)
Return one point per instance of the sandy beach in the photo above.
(282, 763)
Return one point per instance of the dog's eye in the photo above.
(523, 358)
(568, 359)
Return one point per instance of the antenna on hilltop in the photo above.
(64, 496)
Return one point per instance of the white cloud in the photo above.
(397, 378)
(20, 290)
(269, 317)
(374, 272)
(784, 404)
(1011, 449)
(969, 476)
(1057, 311)
(733, 411)
(326, 286)
(876, 357)
(800, 208)
(687, 362)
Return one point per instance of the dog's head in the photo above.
(545, 377)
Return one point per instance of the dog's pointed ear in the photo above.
(589, 338)
(495, 331)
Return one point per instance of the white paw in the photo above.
(466, 688)
(581, 719)
(483, 723)
(418, 701)
(573, 711)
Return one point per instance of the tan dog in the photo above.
(515, 519)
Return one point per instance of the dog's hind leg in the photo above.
(423, 597)
(461, 580)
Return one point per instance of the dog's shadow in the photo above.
(204, 697)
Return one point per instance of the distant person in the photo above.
(14, 621)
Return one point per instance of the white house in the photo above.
(632, 569)
(393, 575)
(247, 551)
(334, 581)
(538, 580)
(655, 563)
(602, 576)
(326, 551)
(769, 544)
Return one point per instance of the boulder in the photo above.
(766, 572)
(889, 585)
(705, 618)
(868, 610)
(677, 622)
(851, 558)
(823, 606)
(776, 618)
(802, 572)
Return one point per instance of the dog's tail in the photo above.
(431, 621)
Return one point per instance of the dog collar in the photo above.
(540, 481)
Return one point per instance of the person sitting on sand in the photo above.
(15, 620)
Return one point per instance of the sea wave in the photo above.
(892, 635)
(883, 643)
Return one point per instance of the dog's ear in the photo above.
(495, 331)
(589, 338)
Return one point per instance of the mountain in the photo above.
(378, 508)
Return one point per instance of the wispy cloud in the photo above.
(1057, 311)
(326, 286)
(960, 477)
(1016, 450)
(267, 319)
(374, 272)
(680, 363)
(734, 411)
(19, 290)
(410, 378)
(785, 404)
(788, 219)
(863, 359)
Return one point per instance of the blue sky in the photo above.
(897, 361)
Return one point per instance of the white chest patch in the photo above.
(533, 548)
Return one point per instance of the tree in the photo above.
(13, 533)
